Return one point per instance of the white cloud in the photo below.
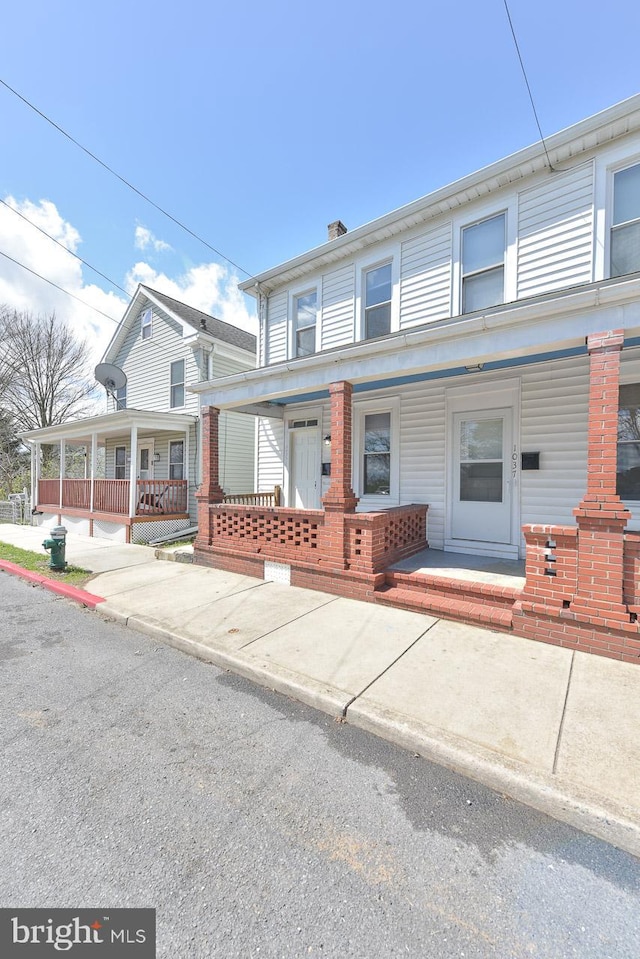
(23, 290)
(209, 287)
(144, 239)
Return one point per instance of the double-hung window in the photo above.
(628, 470)
(146, 328)
(305, 309)
(377, 301)
(376, 466)
(121, 398)
(625, 227)
(483, 256)
(177, 384)
(176, 460)
(120, 471)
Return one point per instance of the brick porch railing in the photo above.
(348, 557)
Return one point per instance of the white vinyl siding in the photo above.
(270, 454)
(555, 233)
(146, 363)
(338, 308)
(276, 345)
(554, 417)
(425, 277)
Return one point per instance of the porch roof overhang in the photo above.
(110, 424)
(532, 330)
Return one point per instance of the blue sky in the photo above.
(257, 124)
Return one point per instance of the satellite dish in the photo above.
(111, 377)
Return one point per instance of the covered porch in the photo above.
(124, 476)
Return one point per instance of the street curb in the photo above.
(74, 593)
(559, 799)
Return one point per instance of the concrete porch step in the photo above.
(468, 590)
(458, 607)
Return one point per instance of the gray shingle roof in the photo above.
(199, 321)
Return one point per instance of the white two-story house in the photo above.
(149, 437)
(446, 357)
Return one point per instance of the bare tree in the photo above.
(43, 370)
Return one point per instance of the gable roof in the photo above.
(187, 316)
(569, 145)
(202, 321)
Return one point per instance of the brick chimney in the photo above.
(336, 229)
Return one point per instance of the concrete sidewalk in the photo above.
(550, 727)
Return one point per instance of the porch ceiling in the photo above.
(111, 424)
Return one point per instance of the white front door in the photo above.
(481, 506)
(304, 456)
(145, 460)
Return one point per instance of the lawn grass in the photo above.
(39, 563)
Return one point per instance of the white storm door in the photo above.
(304, 453)
(145, 460)
(481, 501)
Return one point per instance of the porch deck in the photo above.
(464, 566)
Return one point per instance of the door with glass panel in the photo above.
(481, 494)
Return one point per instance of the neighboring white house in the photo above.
(151, 428)
(439, 355)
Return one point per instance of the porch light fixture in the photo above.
(327, 440)
(156, 457)
(475, 368)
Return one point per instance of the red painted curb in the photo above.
(63, 589)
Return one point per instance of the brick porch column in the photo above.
(602, 516)
(340, 496)
(210, 490)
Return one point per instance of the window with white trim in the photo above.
(305, 317)
(483, 258)
(176, 459)
(376, 455)
(121, 398)
(628, 468)
(177, 384)
(377, 292)
(625, 224)
(146, 325)
(120, 470)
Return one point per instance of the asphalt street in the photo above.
(135, 775)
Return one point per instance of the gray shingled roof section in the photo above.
(218, 328)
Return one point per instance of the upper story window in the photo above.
(625, 228)
(146, 328)
(121, 398)
(377, 301)
(483, 255)
(177, 384)
(304, 323)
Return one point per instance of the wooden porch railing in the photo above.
(112, 495)
(161, 496)
(255, 499)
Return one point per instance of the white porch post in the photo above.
(35, 455)
(94, 463)
(63, 456)
(186, 470)
(133, 471)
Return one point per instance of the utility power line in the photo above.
(123, 180)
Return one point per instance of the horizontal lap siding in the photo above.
(555, 398)
(338, 307)
(422, 454)
(555, 233)
(270, 454)
(276, 346)
(237, 442)
(425, 277)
